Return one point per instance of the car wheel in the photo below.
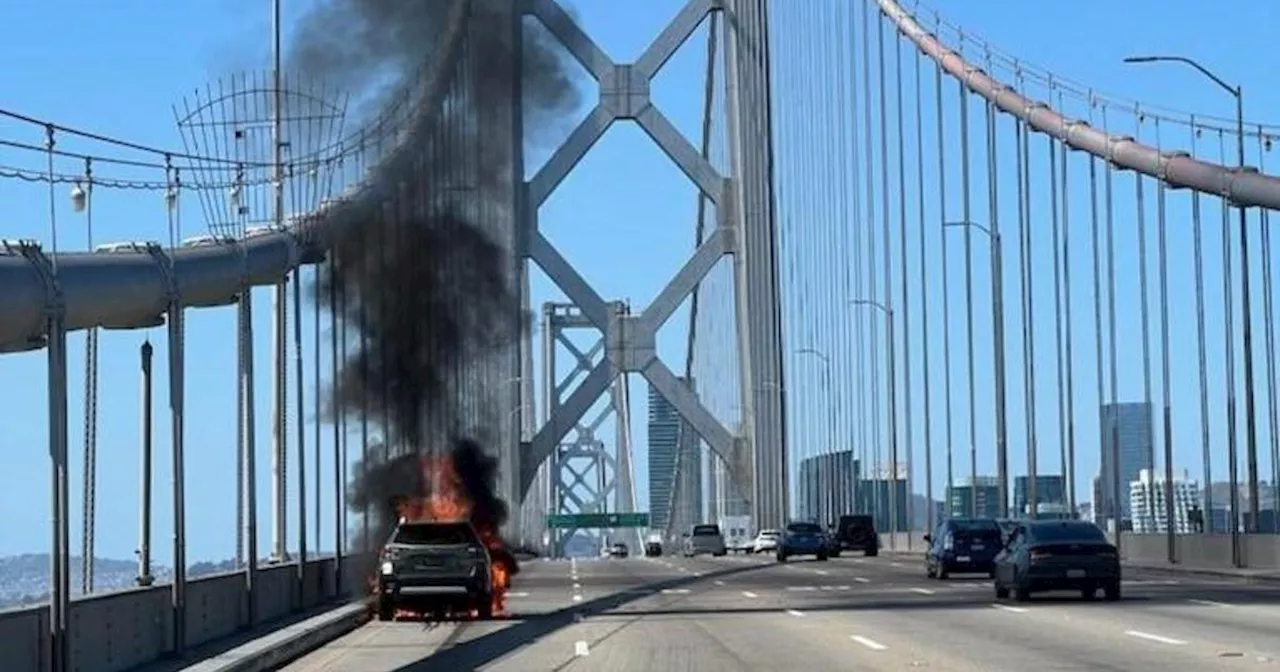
(1002, 592)
(1088, 592)
(1112, 591)
(1022, 593)
(835, 554)
(930, 572)
(942, 572)
(822, 557)
(386, 608)
(873, 552)
(484, 607)
(782, 557)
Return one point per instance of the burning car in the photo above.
(444, 562)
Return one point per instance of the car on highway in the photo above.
(963, 546)
(705, 539)
(619, 550)
(439, 562)
(802, 539)
(857, 532)
(766, 541)
(653, 549)
(1049, 555)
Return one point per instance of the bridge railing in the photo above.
(121, 630)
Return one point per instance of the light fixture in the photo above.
(78, 198)
(171, 198)
(234, 196)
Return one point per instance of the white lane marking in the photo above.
(822, 572)
(577, 586)
(1209, 603)
(719, 583)
(580, 648)
(1154, 638)
(869, 643)
(895, 564)
(675, 591)
(801, 588)
(795, 613)
(922, 591)
(1005, 607)
(860, 561)
(577, 598)
(861, 579)
(747, 593)
(517, 594)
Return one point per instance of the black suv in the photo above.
(435, 561)
(858, 533)
(963, 545)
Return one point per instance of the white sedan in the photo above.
(767, 540)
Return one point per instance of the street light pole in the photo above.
(893, 417)
(1246, 309)
(826, 393)
(997, 313)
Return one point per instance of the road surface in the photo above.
(749, 613)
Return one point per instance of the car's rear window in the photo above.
(433, 533)
(1066, 532)
(706, 530)
(804, 528)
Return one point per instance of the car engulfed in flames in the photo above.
(447, 500)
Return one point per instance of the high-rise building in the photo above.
(1050, 489)
(986, 489)
(825, 485)
(884, 496)
(1130, 422)
(1147, 503)
(666, 430)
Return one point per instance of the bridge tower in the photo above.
(744, 228)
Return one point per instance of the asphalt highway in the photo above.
(749, 613)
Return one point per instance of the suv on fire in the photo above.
(435, 560)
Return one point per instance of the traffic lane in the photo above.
(959, 625)
(539, 589)
(1230, 617)
(877, 624)
(533, 638)
(702, 624)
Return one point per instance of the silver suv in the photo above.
(705, 539)
(435, 561)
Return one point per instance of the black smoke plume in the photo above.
(424, 283)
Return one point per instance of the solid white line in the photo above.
(922, 591)
(580, 648)
(1209, 603)
(747, 593)
(1005, 607)
(675, 591)
(861, 579)
(1154, 638)
(869, 643)
(795, 613)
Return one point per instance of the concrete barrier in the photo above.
(287, 643)
(1259, 553)
(121, 630)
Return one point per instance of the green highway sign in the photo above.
(595, 520)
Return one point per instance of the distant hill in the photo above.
(24, 579)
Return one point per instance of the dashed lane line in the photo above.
(1154, 638)
(868, 642)
(795, 613)
(747, 593)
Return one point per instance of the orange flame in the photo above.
(448, 501)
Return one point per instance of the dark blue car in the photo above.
(803, 539)
(963, 546)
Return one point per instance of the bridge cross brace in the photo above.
(629, 340)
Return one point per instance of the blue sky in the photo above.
(115, 68)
